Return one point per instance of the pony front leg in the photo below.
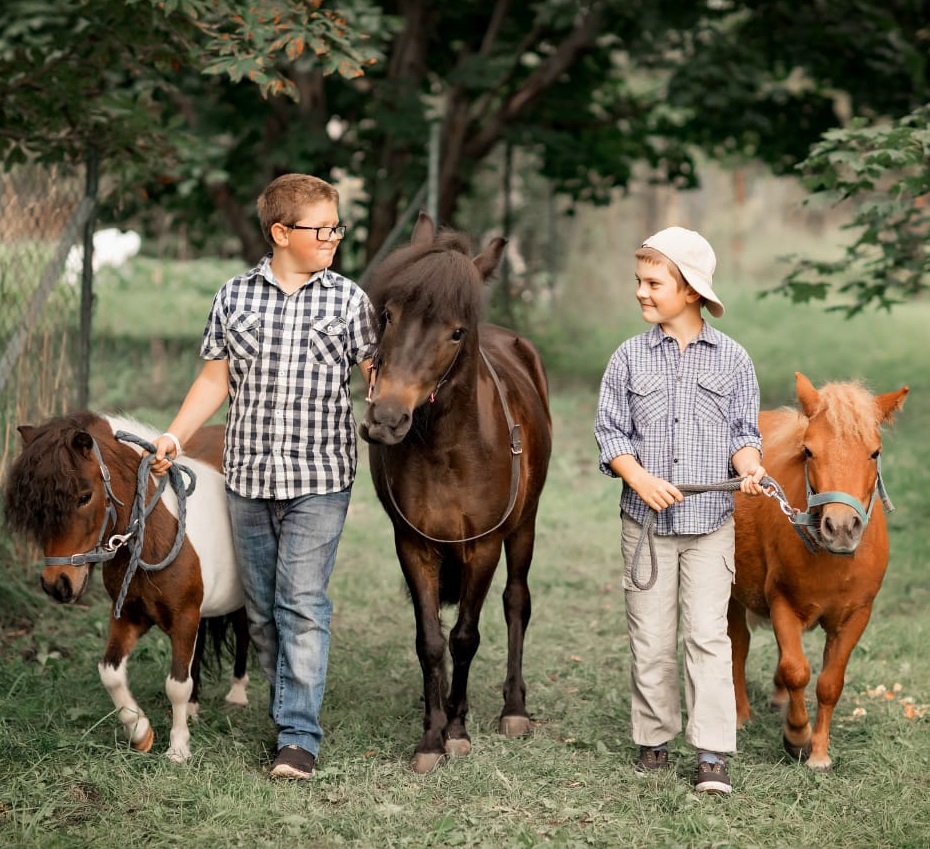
(422, 576)
(795, 673)
(179, 685)
(836, 651)
(464, 639)
(112, 669)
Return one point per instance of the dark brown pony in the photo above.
(72, 489)
(460, 436)
(828, 568)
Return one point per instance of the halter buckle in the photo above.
(116, 541)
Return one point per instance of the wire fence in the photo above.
(43, 212)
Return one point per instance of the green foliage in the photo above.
(882, 173)
(75, 73)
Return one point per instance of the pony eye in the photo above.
(807, 452)
(457, 334)
(388, 318)
(84, 499)
(876, 453)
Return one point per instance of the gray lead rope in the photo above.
(135, 532)
(648, 532)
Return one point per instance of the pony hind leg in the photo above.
(112, 670)
(514, 719)
(738, 631)
(238, 694)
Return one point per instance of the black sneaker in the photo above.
(294, 763)
(713, 778)
(651, 760)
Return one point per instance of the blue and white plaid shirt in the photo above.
(290, 429)
(683, 415)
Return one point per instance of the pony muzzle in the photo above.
(65, 584)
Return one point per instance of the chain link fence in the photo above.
(43, 212)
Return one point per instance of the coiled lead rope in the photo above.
(135, 533)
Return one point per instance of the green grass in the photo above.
(68, 780)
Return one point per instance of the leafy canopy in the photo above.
(882, 172)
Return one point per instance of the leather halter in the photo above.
(102, 551)
(516, 449)
(135, 531)
(807, 523)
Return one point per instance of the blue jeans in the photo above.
(286, 551)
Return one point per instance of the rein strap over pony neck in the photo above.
(516, 449)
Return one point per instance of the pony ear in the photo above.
(27, 432)
(487, 261)
(891, 401)
(807, 395)
(424, 230)
(83, 442)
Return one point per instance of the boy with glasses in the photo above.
(680, 405)
(280, 342)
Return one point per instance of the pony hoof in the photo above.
(426, 762)
(820, 765)
(799, 753)
(145, 744)
(178, 757)
(514, 726)
(458, 746)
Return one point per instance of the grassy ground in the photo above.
(67, 778)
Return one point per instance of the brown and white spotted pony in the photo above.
(75, 489)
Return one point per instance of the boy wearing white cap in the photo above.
(679, 404)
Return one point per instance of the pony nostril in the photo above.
(828, 528)
(856, 526)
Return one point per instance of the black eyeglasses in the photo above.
(323, 234)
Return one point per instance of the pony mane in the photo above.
(848, 407)
(44, 482)
(438, 280)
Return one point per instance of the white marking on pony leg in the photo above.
(193, 711)
(179, 693)
(237, 694)
(136, 723)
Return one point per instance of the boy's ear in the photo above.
(279, 234)
(691, 295)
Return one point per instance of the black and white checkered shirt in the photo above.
(683, 415)
(290, 429)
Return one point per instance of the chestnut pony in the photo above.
(72, 489)
(459, 439)
(827, 454)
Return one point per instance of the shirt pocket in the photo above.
(328, 339)
(712, 397)
(244, 335)
(648, 399)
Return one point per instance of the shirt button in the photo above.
(675, 460)
(676, 419)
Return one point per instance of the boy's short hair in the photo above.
(285, 197)
(656, 257)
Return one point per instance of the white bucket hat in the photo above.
(695, 258)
